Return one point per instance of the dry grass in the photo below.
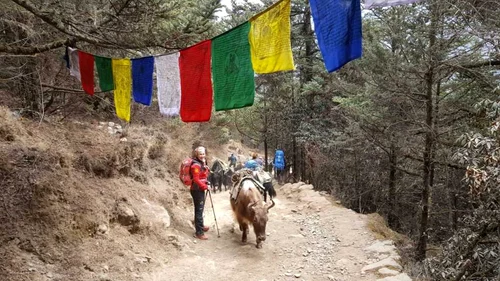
(378, 226)
(10, 129)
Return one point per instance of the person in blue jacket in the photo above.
(252, 163)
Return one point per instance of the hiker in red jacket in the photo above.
(199, 171)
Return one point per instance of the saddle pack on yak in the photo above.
(261, 180)
(279, 159)
(185, 171)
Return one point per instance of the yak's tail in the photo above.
(270, 189)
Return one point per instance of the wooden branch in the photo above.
(435, 162)
(66, 90)
(32, 50)
(241, 132)
(50, 18)
(408, 172)
(482, 64)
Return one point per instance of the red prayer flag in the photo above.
(87, 71)
(196, 83)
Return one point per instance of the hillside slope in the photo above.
(81, 201)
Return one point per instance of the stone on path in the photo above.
(400, 277)
(388, 262)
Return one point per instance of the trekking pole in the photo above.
(213, 210)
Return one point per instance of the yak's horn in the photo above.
(252, 205)
(272, 204)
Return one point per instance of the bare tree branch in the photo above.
(32, 50)
(482, 64)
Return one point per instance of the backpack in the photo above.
(263, 176)
(279, 159)
(185, 171)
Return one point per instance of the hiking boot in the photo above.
(205, 228)
(201, 236)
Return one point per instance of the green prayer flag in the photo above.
(232, 72)
(105, 72)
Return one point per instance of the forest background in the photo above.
(410, 130)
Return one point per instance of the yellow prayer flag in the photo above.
(269, 39)
(122, 77)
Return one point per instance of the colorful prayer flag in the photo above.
(123, 83)
(386, 3)
(269, 38)
(86, 61)
(142, 80)
(168, 81)
(74, 64)
(105, 73)
(196, 83)
(232, 73)
(337, 24)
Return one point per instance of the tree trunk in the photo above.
(429, 140)
(392, 219)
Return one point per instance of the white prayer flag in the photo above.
(386, 3)
(74, 63)
(168, 80)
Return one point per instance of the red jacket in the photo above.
(200, 174)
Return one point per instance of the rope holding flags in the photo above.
(222, 69)
(387, 3)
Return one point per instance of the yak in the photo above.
(249, 208)
(217, 173)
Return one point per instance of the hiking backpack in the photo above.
(279, 159)
(185, 171)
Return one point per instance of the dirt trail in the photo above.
(309, 238)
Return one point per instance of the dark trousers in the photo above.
(199, 205)
(280, 175)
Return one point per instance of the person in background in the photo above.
(260, 161)
(279, 164)
(252, 163)
(199, 172)
(232, 160)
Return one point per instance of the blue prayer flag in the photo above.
(337, 24)
(142, 80)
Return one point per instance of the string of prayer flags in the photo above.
(86, 62)
(269, 38)
(196, 83)
(337, 24)
(105, 73)
(122, 81)
(386, 3)
(168, 81)
(232, 72)
(223, 69)
(142, 80)
(74, 63)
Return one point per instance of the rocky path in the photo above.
(309, 238)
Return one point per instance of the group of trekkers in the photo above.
(255, 163)
(199, 172)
